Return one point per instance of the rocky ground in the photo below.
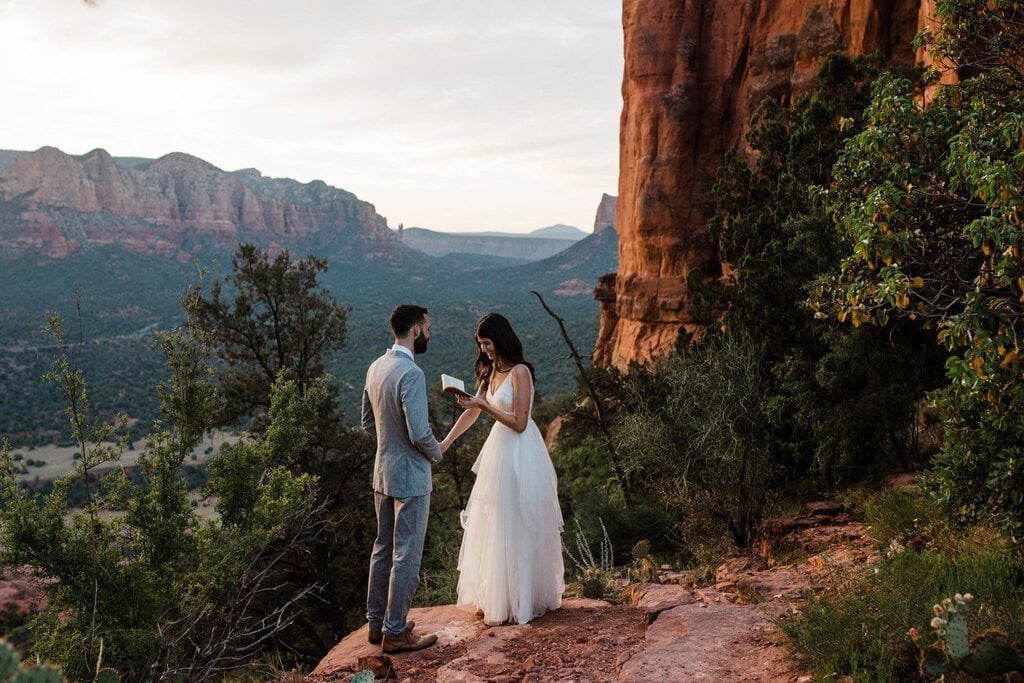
(671, 631)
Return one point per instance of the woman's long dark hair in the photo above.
(508, 350)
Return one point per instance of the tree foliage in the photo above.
(266, 318)
(271, 320)
(929, 199)
(136, 574)
(840, 403)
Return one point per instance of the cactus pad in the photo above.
(364, 676)
(956, 635)
(8, 661)
(992, 654)
(934, 662)
(39, 674)
(108, 676)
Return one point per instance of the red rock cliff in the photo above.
(694, 71)
(55, 204)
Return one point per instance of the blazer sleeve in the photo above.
(368, 421)
(414, 404)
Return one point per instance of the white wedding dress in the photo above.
(510, 563)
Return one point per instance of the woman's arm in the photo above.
(522, 385)
(464, 422)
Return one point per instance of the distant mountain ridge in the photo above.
(510, 247)
(53, 204)
(557, 231)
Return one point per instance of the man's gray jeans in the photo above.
(395, 561)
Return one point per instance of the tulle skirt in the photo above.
(510, 563)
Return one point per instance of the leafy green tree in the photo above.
(270, 320)
(840, 403)
(135, 574)
(268, 317)
(928, 198)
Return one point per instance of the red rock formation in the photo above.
(57, 204)
(694, 71)
(605, 217)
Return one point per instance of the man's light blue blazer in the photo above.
(394, 408)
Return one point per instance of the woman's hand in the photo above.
(472, 402)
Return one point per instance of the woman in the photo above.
(510, 563)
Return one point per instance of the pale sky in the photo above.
(453, 115)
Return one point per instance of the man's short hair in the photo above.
(404, 317)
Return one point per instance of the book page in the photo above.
(453, 385)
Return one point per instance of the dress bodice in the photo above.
(503, 395)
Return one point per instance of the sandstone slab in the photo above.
(708, 642)
(654, 598)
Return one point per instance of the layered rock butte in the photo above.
(694, 72)
(53, 204)
(605, 217)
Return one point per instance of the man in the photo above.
(394, 409)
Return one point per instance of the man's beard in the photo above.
(419, 345)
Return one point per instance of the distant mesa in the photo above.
(54, 204)
(564, 232)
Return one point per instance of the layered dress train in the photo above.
(510, 562)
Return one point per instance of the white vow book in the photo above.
(454, 385)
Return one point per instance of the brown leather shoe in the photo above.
(407, 642)
(375, 637)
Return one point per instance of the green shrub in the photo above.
(898, 513)
(862, 630)
(927, 198)
(699, 444)
(840, 402)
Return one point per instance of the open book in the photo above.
(454, 385)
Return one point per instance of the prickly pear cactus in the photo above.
(951, 626)
(8, 661)
(364, 676)
(592, 583)
(934, 662)
(641, 550)
(108, 676)
(38, 674)
(990, 653)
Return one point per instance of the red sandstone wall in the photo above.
(694, 71)
(165, 206)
